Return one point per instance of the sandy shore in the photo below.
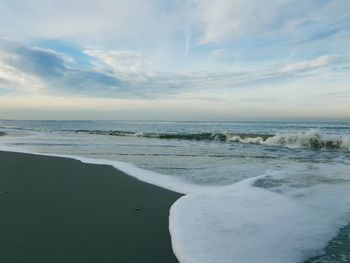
(61, 210)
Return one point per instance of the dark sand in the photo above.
(61, 210)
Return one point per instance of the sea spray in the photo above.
(311, 139)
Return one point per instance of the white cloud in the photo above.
(306, 65)
(124, 75)
(136, 71)
(217, 53)
(225, 19)
(122, 62)
(234, 51)
(88, 22)
(15, 81)
(162, 25)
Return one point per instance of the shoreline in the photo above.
(332, 249)
(57, 209)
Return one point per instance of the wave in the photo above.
(311, 139)
(202, 136)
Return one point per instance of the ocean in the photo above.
(255, 191)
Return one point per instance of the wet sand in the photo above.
(62, 210)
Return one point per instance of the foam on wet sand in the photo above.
(247, 224)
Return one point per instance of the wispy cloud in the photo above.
(225, 20)
(156, 50)
(308, 65)
(129, 74)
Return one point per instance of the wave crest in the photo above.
(311, 139)
(201, 136)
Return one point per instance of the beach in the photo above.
(246, 185)
(62, 210)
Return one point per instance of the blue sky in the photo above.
(176, 59)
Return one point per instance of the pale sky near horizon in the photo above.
(175, 59)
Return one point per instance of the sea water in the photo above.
(255, 191)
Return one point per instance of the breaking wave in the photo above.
(202, 136)
(311, 139)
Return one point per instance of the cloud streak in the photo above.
(129, 74)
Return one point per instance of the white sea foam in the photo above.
(312, 138)
(237, 138)
(247, 224)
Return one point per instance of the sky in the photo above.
(175, 59)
